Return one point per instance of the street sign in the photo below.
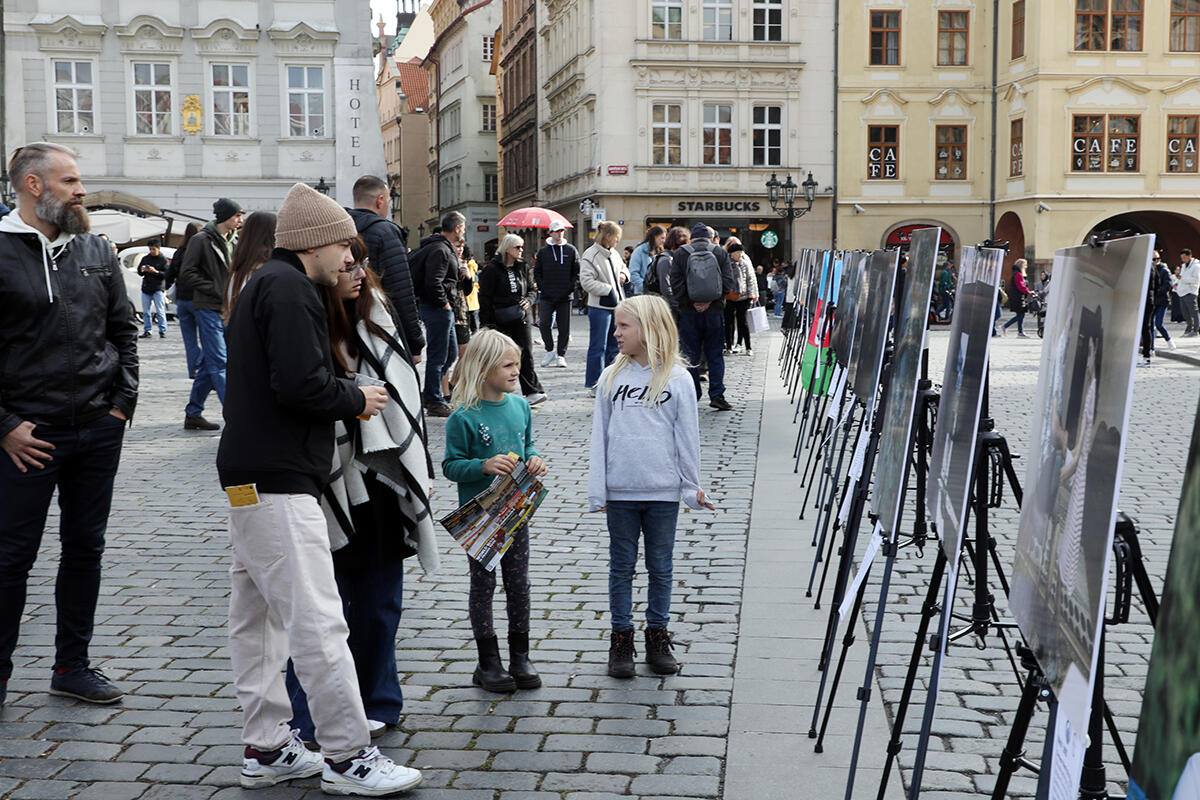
(769, 239)
(598, 215)
(618, 169)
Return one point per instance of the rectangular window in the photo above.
(152, 99)
(718, 134)
(768, 20)
(1087, 143)
(1185, 26)
(953, 29)
(950, 163)
(448, 187)
(1181, 143)
(883, 152)
(450, 123)
(1016, 148)
(489, 47)
(489, 117)
(231, 99)
(768, 136)
(668, 134)
(718, 20)
(1126, 25)
(1018, 29)
(1123, 149)
(491, 188)
(73, 95)
(666, 19)
(306, 101)
(885, 38)
(1091, 24)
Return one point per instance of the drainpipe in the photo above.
(3, 109)
(836, 107)
(995, 79)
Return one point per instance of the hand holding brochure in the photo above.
(485, 524)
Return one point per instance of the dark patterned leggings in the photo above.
(515, 567)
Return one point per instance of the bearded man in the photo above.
(68, 384)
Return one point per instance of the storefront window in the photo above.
(1181, 143)
(950, 163)
(1016, 148)
(883, 152)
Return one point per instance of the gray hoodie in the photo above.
(642, 452)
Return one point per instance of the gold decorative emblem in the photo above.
(193, 114)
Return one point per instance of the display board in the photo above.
(845, 316)
(876, 304)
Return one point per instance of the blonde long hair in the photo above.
(653, 316)
(483, 353)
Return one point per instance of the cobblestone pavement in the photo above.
(161, 632)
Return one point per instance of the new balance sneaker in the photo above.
(367, 774)
(293, 760)
(548, 359)
(84, 683)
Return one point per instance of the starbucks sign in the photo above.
(769, 239)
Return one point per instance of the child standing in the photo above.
(645, 455)
(488, 423)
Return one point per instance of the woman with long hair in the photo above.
(377, 505)
(1017, 296)
(255, 242)
(506, 297)
(185, 313)
(644, 255)
(603, 275)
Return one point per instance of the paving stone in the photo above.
(449, 759)
(694, 785)
(495, 780)
(593, 743)
(687, 745)
(43, 790)
(565, 782)
(625, 763)
(103, 771)
(537, 762)
(111, 790)
(177, 773)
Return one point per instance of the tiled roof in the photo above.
(414, 80)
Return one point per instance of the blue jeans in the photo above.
(779, 298)
(83, 468)
(1159, 313)
(628, 521)
(158, 303)
(371, 600)
(1019, 318)
(441, 349)
(185, 315)
(602, 347)
(705, 333)
(210, 376)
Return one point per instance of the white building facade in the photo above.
(179, 103)
(678, 112)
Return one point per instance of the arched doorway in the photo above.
(1173, 231)
(901, 236)
(1009, 229)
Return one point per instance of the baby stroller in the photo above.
(1036, 305)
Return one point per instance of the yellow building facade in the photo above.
(1055, 120)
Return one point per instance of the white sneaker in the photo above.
(376, 728)
(368, 774)
(293, 760)
(1171, 343)
(562, 362)
(548, 359)
(737, 348)
(1143, 362)
(535, 398)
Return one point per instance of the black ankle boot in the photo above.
(490, 674)
(658, 652)
(620, 655)
(523, 673)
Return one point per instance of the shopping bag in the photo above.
(758, 319)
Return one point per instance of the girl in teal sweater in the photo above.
(488, 423)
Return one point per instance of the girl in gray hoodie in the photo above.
(645, 457)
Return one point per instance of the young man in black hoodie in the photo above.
(555, 270)
(275, 457)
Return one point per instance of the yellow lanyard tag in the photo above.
(244, 495)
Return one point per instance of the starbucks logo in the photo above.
(769, 239)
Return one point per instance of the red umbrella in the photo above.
(533, 217)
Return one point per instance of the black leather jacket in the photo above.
(70, 361)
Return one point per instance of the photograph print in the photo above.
(877, 307)
(845, 315)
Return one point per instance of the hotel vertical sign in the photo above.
(358, 146)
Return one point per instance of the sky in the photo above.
(388, 9)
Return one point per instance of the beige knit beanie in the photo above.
(309, 219)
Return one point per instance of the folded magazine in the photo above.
(485, 524)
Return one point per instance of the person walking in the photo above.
(645, 455)
(507, 294)
(603, 275)
(185, 312)
(205, 270)
(1018, 293)
(70, 378)
(779, 283)
(738, 301)
(945, 291)
(490, 424)
(377, 502)
(1162, 296)
(555, 270)
(658, 275)
(700, 278)
(471, 298)
(435, 269)
(388, 255)
(1188, 287)
(153, 269)
(273, 462)
(253, 249)
(643, 256)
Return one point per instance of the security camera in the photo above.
(859, 209)
(1042, 207)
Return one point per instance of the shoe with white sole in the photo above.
(562, 362)
(548, 359)
(293, 760)
(368, 773)
(376, 728)
(535, 398)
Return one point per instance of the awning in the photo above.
(123, 227)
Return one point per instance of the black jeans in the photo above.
(735, 313)
(546, 311)
(83, 469)
(514, 566)
(519, 333)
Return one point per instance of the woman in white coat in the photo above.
(603, 275)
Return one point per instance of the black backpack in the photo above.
(650, 283)
(704, 280)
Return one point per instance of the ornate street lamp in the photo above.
(783, 196)
(322, 186)
(395, 193)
